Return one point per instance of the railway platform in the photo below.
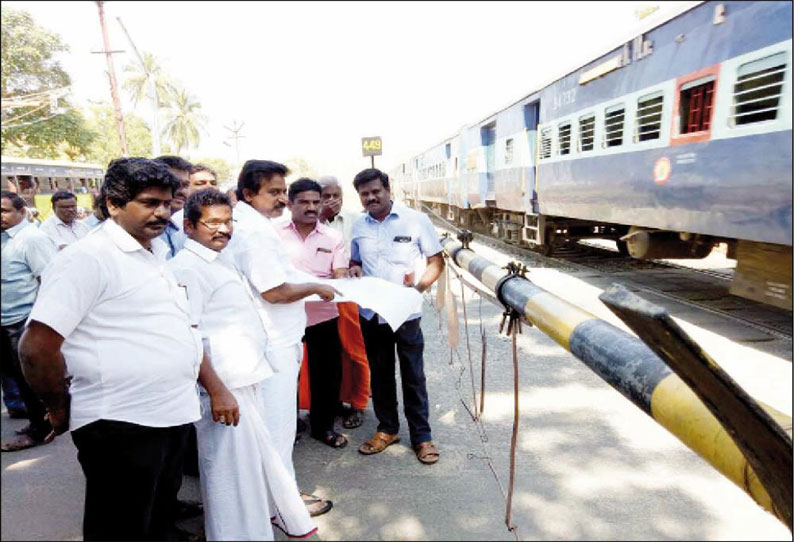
(589, 464)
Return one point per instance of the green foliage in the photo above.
(107, 146)
(224, 169)
(136, 83)
(28, 67)
(298, 168)
(185, 120)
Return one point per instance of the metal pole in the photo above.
(113, 86)
(372, 158)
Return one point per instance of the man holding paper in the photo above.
(397, 244)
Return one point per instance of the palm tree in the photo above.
(136, 80)
(184, 121)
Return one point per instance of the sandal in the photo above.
(315, 505)
(378, 443)
(331, 438)
(354, 419)
(426, 452)
(22, 442)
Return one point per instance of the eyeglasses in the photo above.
(215, 226)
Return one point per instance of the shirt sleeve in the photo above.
(70, 287)
(428, 238)
(39, 251)
(354, 253)
(340, 259)
(255, 257)
(191, 281)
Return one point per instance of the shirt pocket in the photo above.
(402, 249)
(322, 260)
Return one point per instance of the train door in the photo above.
(489, 144)
(531, 116)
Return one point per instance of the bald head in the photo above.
(331, 197)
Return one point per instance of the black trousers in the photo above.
(11, 366)
(325, 373)
(380, 342)
(133, 474)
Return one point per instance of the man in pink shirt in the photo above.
(318, 250)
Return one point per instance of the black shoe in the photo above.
(188, 509)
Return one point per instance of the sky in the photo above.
(310, 79)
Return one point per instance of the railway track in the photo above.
(703, 289)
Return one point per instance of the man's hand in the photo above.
(326, 292)
(330, 208)
(355, 271)
(59, 419)
(224, 407)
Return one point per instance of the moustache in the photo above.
(372, 202)
(155, 223)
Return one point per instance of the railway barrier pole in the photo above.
(628, 365)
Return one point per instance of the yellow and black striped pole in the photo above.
(626, 364)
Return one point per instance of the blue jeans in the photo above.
(12, 398)
(380, 342)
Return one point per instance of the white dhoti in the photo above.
(244, 482)
(280, 399)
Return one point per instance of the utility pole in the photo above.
(236, 137)
(152, 94)
(112, 76)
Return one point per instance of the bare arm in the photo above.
(288, 292)
(435, 265)
(341, 272)
(45, 370)
(223, 402)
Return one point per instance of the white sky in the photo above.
(310, 79)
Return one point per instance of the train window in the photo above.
(545, 142)
(509, 151)
(586, 132)
(695, 105)
(649, 117)
(756, 94)
(613, 124)
(564, 138)
(448, 150)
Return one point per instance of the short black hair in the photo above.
(128, 177)
(61, 195)
(194, 206)
(256, 171)
(175, 162)
(195, 168)
(16, 199)
(302, 185)
(370, 174)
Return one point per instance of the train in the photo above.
(35, 180)
(669, 143)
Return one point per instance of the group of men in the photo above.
(180, 285)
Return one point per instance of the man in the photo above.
(239, 465)
(97, 216)
(199, 178)
(391, 241)
(260, 255)
(26, 251)
(172, 235)
(319, 251)
(112, 316)
(355, 368)
(62, 226)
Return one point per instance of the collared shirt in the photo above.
(391, 248)
(259, 254)
(129, 344)
(91, 221)
(223, 307)
(322, 251)
(343, 223)
(173, 235)
(26, 252)
(62, 233)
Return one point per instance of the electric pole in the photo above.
(152, 93)
(112, 76)
(236, 137)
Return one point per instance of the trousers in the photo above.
(133, 474)
(325, 373)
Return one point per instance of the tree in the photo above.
(107, 146)
(136, 82)
(38, 120)
(185, 120)
(224, 169)
(299, 167)
(645, 11)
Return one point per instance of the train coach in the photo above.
(670, 143)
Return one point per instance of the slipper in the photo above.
(315, 505)
(426, 452)
(22, 442)
(331, 438)
(378, 443)
(354, 419)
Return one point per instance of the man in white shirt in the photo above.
(62, 226)
(97, 215)
(200, 177)
(260, 255)
(111, 316)
(239, 466)
(172, 235)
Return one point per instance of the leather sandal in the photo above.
(426, 452)
(353, 419)
(21, 442)
(331, 438)
(378, 443)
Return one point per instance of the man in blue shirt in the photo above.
(397, 244)
(26, 251)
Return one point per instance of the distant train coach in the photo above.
(670, 143)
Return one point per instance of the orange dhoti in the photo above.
(355, 369)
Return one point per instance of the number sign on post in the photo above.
(371, 146)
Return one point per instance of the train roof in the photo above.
(52, 163)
